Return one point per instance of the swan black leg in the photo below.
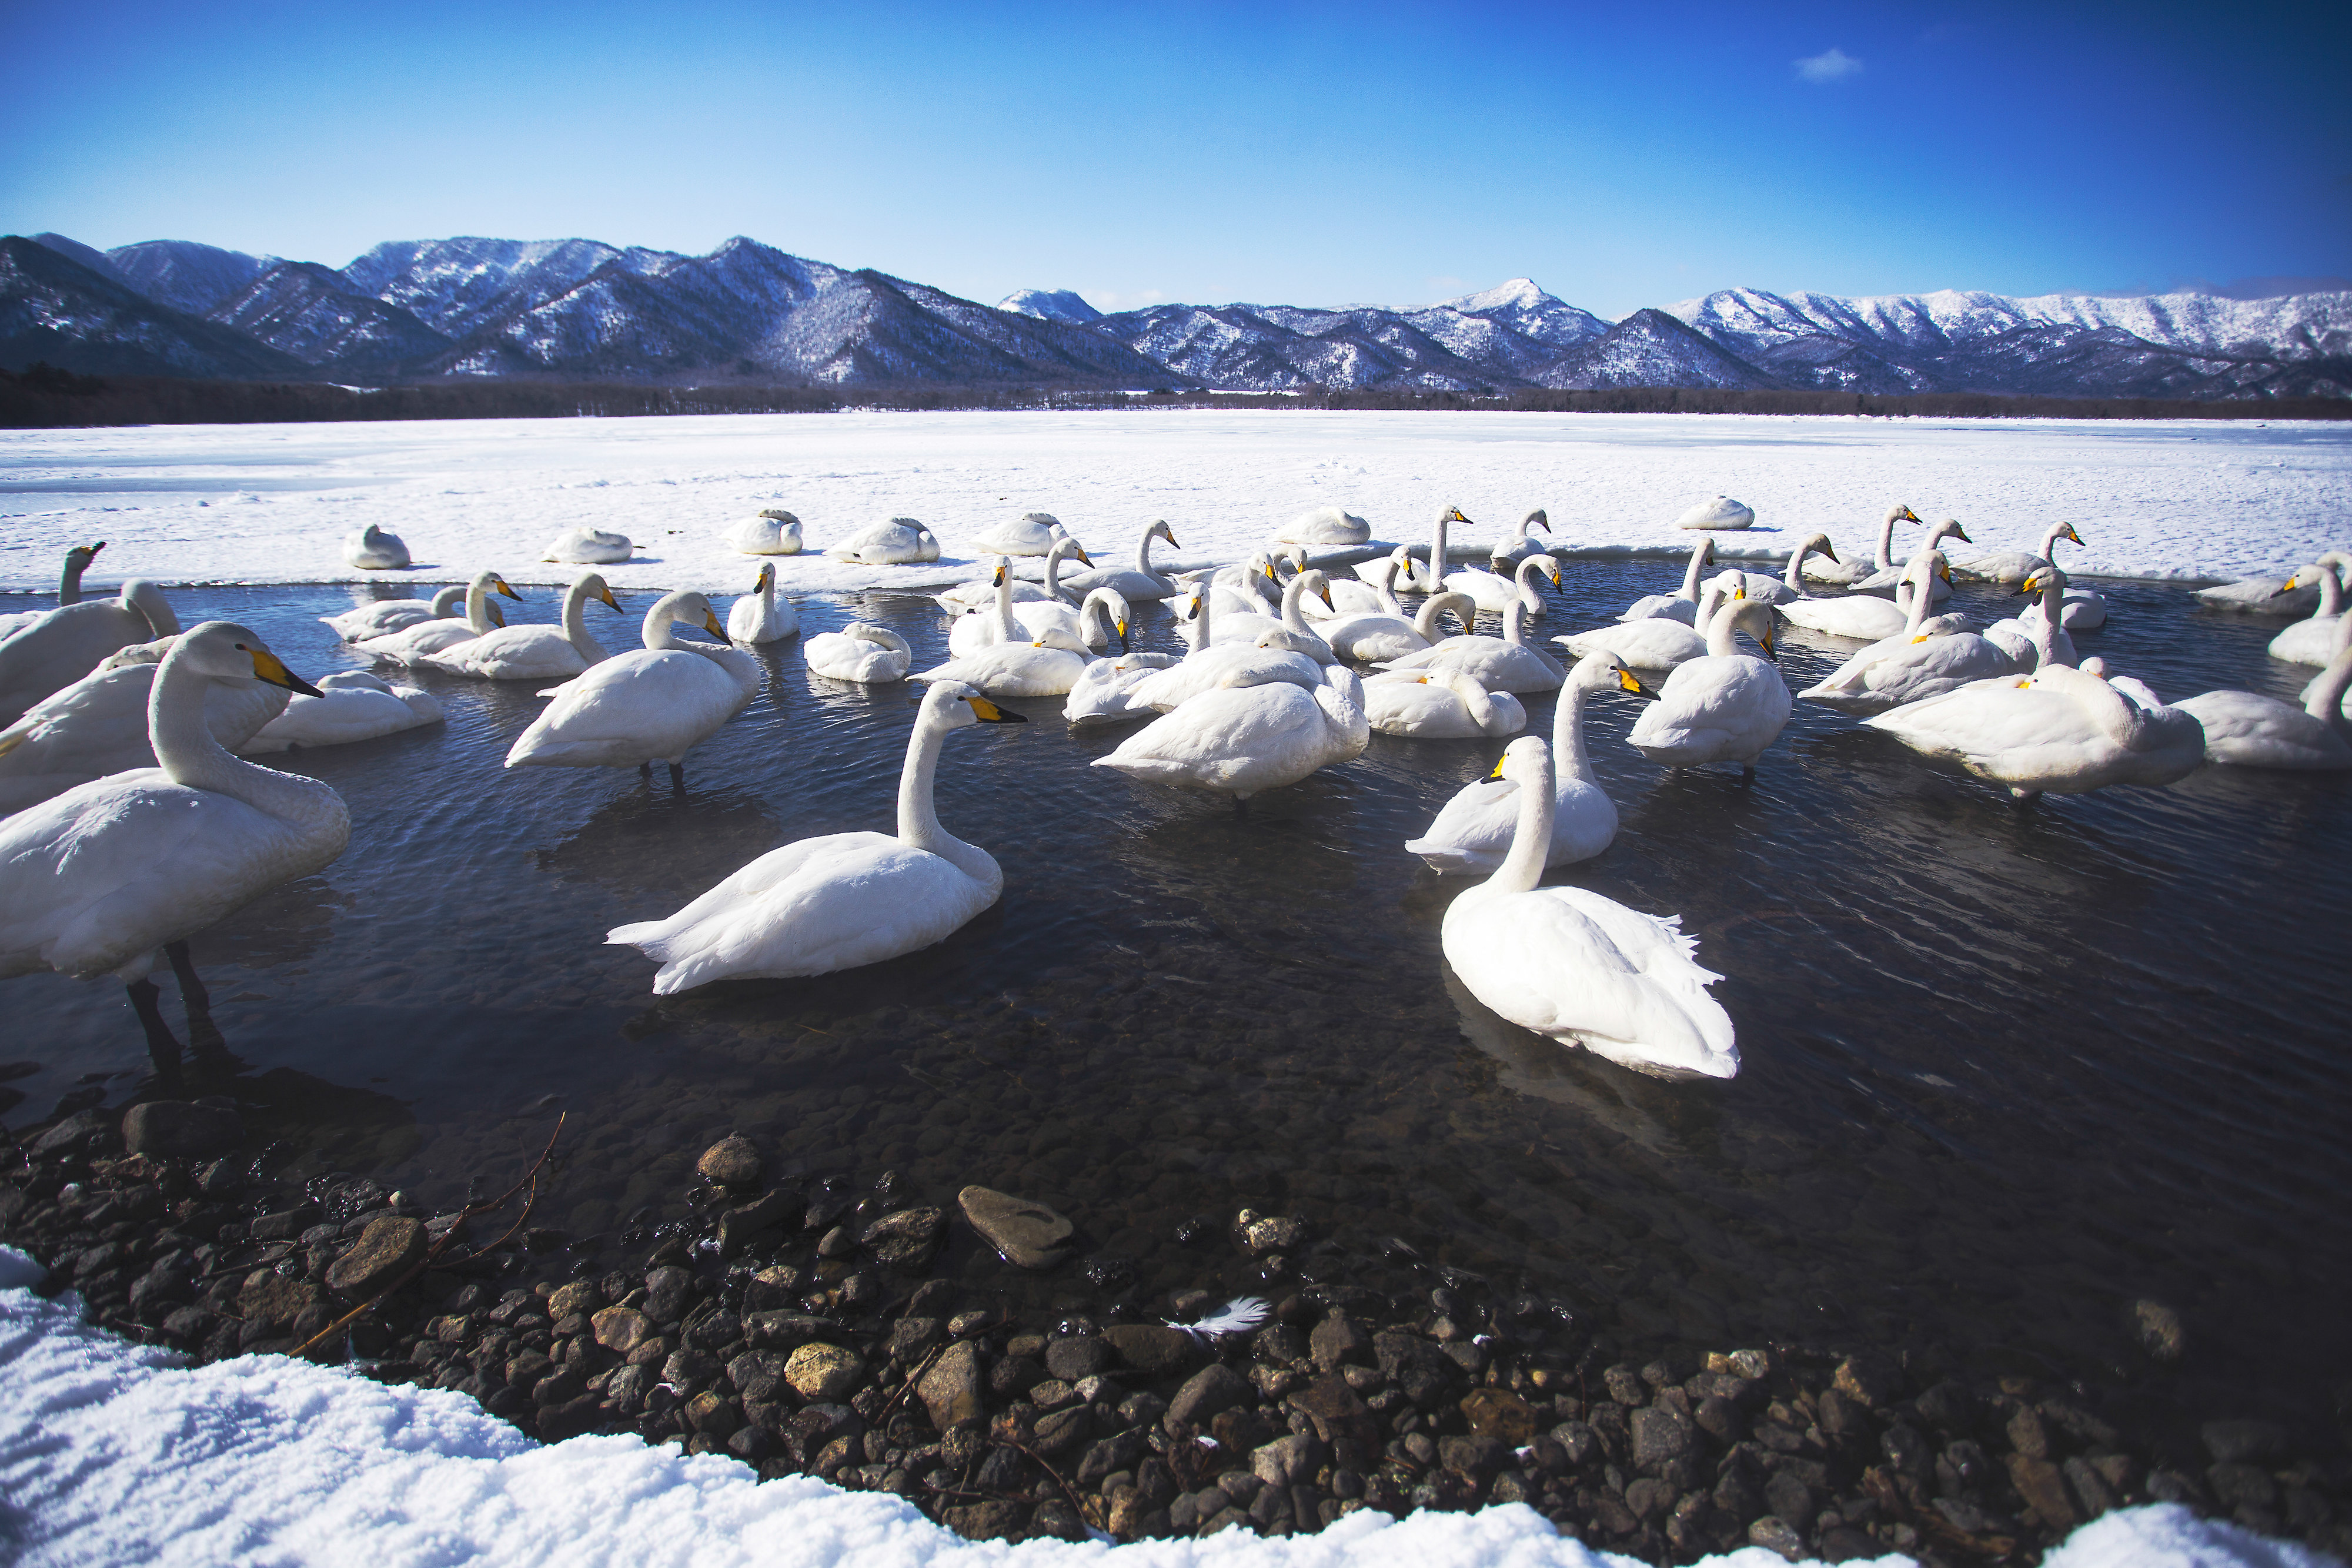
(203, 1035)
(645, 770)
(163, 1047)
(678, 776)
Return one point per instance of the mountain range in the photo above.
(579, 310)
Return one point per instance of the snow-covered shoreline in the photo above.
(2183, 500)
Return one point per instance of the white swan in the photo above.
(1018, 612)
(1090, 628)
(1429, 577)
(1681, 605)
(2033, 639)
(1722, 512)
(1506, 664)
(94, 881)
(772, 532)
(588, 547)
(1388, 635)
(1851, 573)
(2307, 642)
(77, 561)
(759, 616)
(1656, 643)
(861, 651)
(2343, 640)
(98, 725)
(1471, 831)
(1919, 662)
(352, 705)
(2261, 595)
(1507, 555)
(373, 549)
(1371, 590)
(1440, 704)
(1726, 706)
(386, 616)
(1141, 584)
(2250, 730)
(1287, 630)
(843, 900)
(60, 646)
(1581, 968)
(651, 705)
(1254, 732)
(1324, 526)
(2059, 730)
(1897, 578)
(2010, 568)
(1493, 592)
(1019, 667)
(1864, 616)
(1032, 535)
(1212, 661)
(1104, 692)
(899, 542)
(979, 593)
(533, 652)
(413, 645)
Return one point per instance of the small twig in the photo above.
(1067, 1490)
(937, 1351)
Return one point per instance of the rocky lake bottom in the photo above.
(2024, 1201)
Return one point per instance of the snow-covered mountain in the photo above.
(579, 308)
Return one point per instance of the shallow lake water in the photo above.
(2005, 1069)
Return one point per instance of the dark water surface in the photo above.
(2005, 1069)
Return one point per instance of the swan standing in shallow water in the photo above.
(1472, 830)
(60, 646)
(98, 880)
(1581, 968)
(1727, 707)
(1141, 584)
(759, 616)
(2250, 730)
(1898, 577)
(533, 652)
(861, 651)
(1834, 572)
(1506, 664)
(1254, 732)
(386, 616)
(772, 532)
(2058, 730)
(647, 707)
(373, 549)
(2307, 642)
(1442, 705)
(352, 705)
(843, 900)
(413, 644)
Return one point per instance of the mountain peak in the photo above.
(1050, 304)
(1519, 294)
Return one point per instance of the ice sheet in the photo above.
(2196, 499)
(111, 1453)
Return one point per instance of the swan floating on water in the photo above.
(2265, 595)
(2307, 642)
(1507, 555)
(861, 651)
(843, 900)
(1257, 730)
(386, 616)
(759, 616)
(899, 542)
(1472, 830)
(1681, 605)
(772, 532)
(1581, 968)
(77, 561)
(1440, 704)
(1369, 637)
(649, 706)
(1927, 658)
(373, 549)
(1104, 692)
(1897, 578)
(1212, 662)
(588, 547)
(2058, 730)
(533, 652)
(1863, 616)
(1833, 572)
(1728, 706)
(352, 705)
(1141, 584)
(1658, 642)
(59, 647)
(414, 643)
(2247, 730)
(1506, 664)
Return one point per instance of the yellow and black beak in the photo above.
(1081, 553)
(1945, 573)
(1551, 569)
(1626, 683)
(1830, 550)
(2075, 537)
(710, 625)
(1908, 516)
(1172, 540)
(605, 596)
(1122, 635)
(93, 550)
(2287, 586)
(1453, 515)
(1323, 593)
(988, 713)
(268, 666)
(1765, 641)
(1961, 534)
(1497, 773)
(998, 581)
(501, 584)
(1740, 591)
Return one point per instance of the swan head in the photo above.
(593, 585)
(82, 555)
(1159, 530)
(767, 575)
(1754, 617)
(1950, 528)
(1525, 762)
(952, 705)
(1816, 543)
(1453, 515)
(1543, 564)
(2066, 531)
(1317, 584)
(690, 608)
(778, 515)
(2047, 579)
(1927, 563)
(1900, 513)
(1064, 546)
(224, 649)
(1538, 518)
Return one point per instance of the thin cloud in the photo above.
(1831, 65)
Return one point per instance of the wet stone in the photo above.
(906, 1239)
(823, 1373)
(269, 1297)
(1499, 1413)
(1150, 1348)
(386, 1250)
(1871, 1378)
(912, 1338)
(174, 1129)
(621, 1330)
(1336, 1340)
(1025, 1232)
(1077, 1356)
(2158, 1330)
(950, 1390)
(2233, 1442)
(1209, 1391)
(581, 1297)
(732, 1161)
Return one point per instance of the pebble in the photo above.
(386, 1250)
(732, 1161)
(823, 1373)
(1024, 1233)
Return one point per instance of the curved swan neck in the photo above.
(1386, 589)
(1923, 597)
(1710, 609)
(919, 820)
(1292, 593)
(576, 624)
(1523, 867)
(444, 603)
(2327, 701)
(1690, 574)
(1886, 539)
(659, 619)
(2331, 596)
(1515, 623)
(188, 753)
(1437, 550)
(2049, 537)
(1143, 551)
(1722, 634)
(147, 602)
(1532, 567)
(1568, 732)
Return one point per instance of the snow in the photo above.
(193, 504)
(112, 1453)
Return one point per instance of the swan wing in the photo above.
(632, 708)
(342, 716)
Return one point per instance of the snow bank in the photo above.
(271, 503)
(110, 1453)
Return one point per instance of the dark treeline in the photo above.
(42, 396)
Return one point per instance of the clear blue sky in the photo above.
(1621, 155)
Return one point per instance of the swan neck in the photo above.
(2327, 701)
(575, 624)
(147, 602)
(192, 757)
(918, 819)
(1722, 634)
(478, 606)
(1515, 623)
(69, 585)
(1386, 589)
(1523, 867)
(1887, 543)
(1144, 551)
(1008, 630)
(657, 632)
(1292, 620)
(1567, 734)
(1437, 552)
(1424, 624)
(1690, 572)
(1793, 580)
(1923, 600)
(2331, 597)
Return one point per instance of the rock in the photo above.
(986, 1521)
(950, 1390)
(1151, 1348)
(1286, 1461)
(270, 1297)
(712, 1416)
(1064, 1430)
(386, 1250)
(1473, 1458)
(1077, 1356)
(1339, 1415)
(1719, 1419)
(2026, 1434)
(783, 1331)
(757, 1375)
(621, 1330)
(2234, 1442)
(1750, 1364)
(1774, 1536)
(730, 1162)
(173, 1129)
(1214, 1388)
(1426, 1373)
(739, 1225)
(1013, 1375)
(837, 1242)
(1625, 1386)
(2158, 1330)
(1499, 1413)
(667, 1292)
(2241, 1486)
(1790, 1500)
(774, 1288)
(580, 1296)
(286, 1225)
(1336, 1340)
(912, 1338)
(1274, 1233)
(1113, 1454)
(905, 1239)
(1026, 1234)
(1870, 1378)
(2043, 1486)
(824, 1374)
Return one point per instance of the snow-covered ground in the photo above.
(111, 1454)
(181, 503)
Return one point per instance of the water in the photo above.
(2004, 1068)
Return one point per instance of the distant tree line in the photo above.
(41, 396)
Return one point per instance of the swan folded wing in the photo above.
(1225, 739)
(513, 653)
(645, 704)
(811, 908)
(1473, 830)
(107, 871)
(345, 714)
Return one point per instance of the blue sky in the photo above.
(1621, 155)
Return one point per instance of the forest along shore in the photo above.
(795, 1327)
